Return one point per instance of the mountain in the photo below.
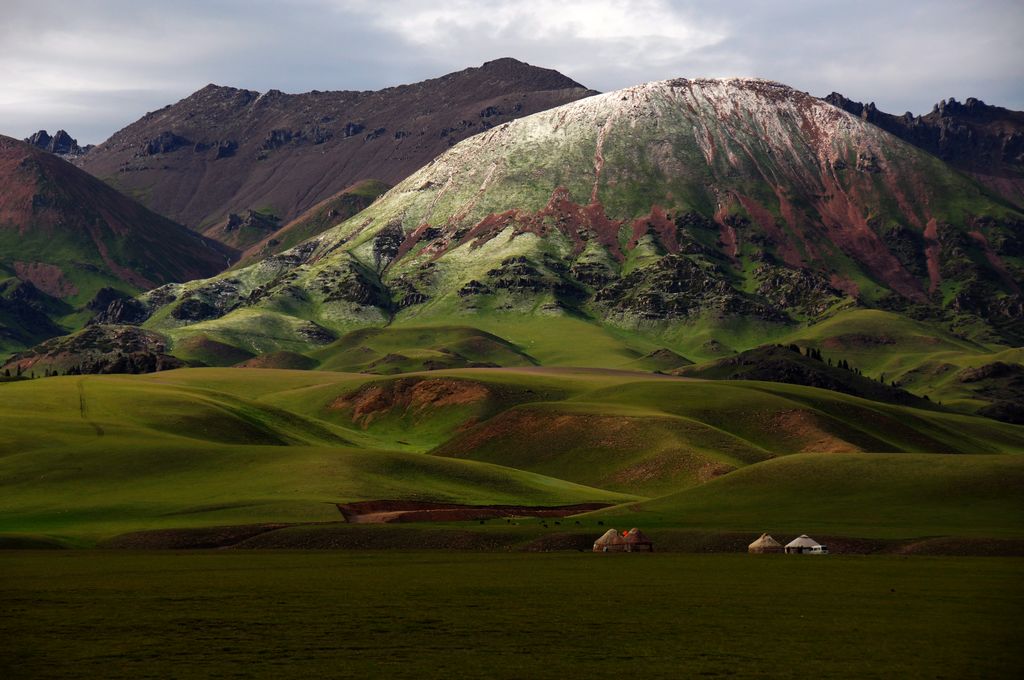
(658, 205)
(985, 141)
(68, 241)
(224, 150)
(686, 217)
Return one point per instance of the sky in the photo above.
(93, 66)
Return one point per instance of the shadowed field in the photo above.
(415, 615)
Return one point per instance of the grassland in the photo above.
(921, 357)
(85, 458)
(435, 615)
(869, 495)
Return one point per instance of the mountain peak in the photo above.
(70, 236)
(520, 72)
(503, 62)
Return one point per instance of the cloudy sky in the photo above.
(93, 66)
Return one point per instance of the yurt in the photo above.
(611, 541)
(804, 545)
(638, 541)
(765, 544)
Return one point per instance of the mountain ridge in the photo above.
(980, 139)
(223, 149)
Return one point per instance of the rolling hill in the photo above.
(877, 495)
(83, 458)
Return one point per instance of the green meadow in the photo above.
(84, 459)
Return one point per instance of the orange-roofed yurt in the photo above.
(638, 541)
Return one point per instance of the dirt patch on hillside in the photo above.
(283, 360)
(46, 277)
(672, 464)
(388, 512)
(374, 400)
(808, 431)
(579, 223)
(555, 431)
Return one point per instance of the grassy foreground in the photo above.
(414, 615)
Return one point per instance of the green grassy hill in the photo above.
(868, 495)
(88, 457)
(102, 455)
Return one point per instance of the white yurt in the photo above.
(805, 545)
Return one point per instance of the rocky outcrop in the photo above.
(61, 143)
(251, 220)
(165, 142)
(678, 287)
(97, 349)
(802, 292)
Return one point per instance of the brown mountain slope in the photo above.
(982, 140)
(70, 235)
(223, 150)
